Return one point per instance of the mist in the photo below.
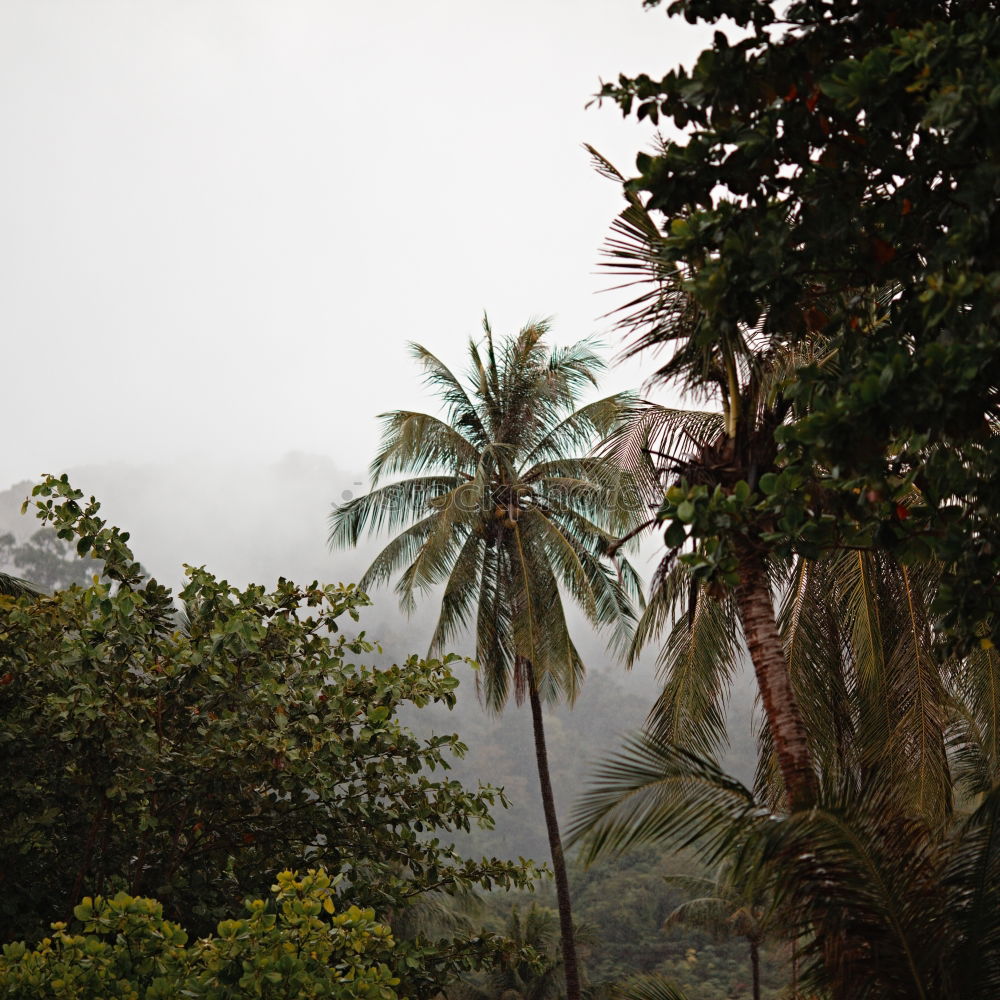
(223, 222)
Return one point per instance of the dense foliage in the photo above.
(819, 251)
(194, 757)
(833, 149)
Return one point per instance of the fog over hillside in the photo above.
(256, 523)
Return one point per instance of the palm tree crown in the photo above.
(506, 509)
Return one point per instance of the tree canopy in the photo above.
(833, 150)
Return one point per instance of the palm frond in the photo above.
(577, 432)
(650, 988)
(461, 413)
(538, 622)
(399, 552)
(975, 738)
(494, 631)
(672, 592)
(810, 619)
(652, 792)
(459, 594)
(972, 877)
(696, 666)
(415, 442)
(654, 436)
(857, 872)
(14, 586)
(386, 508)
(918, 694)
(604, 596)
(435, 558)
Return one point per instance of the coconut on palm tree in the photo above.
(506, 512)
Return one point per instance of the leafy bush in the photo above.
(299, 947)
(194, 756)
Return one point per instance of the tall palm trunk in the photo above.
(788, 732)
(571, 970)
(755, 968)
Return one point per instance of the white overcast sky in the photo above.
(220, 220)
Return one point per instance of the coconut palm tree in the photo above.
(506, 513)
(855, 626)
(530, 968)
(856, 631)
(737, 374)
(746, 374)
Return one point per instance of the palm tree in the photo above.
(724, 907)
(507, 513)
(530, 968)
(736, 372)
(856, 631)
(747, 372)
(14, 586)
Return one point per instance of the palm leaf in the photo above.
(578, 430)
(650, 988)
(697, 666)
(461, 413)
(459, 594)
(415, 442)
(386, 508)
(653, 792)
(14, 586)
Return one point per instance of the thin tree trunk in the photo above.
(788, 732)
(755, 969)
(88, 851)
(555, 845)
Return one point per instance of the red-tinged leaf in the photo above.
(882, 252)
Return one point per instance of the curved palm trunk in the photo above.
(788, 732)
(555, 845)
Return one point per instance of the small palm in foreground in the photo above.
(533, 934)
(529, 968)
(506, 512)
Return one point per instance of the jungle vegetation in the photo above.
(810, 255)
